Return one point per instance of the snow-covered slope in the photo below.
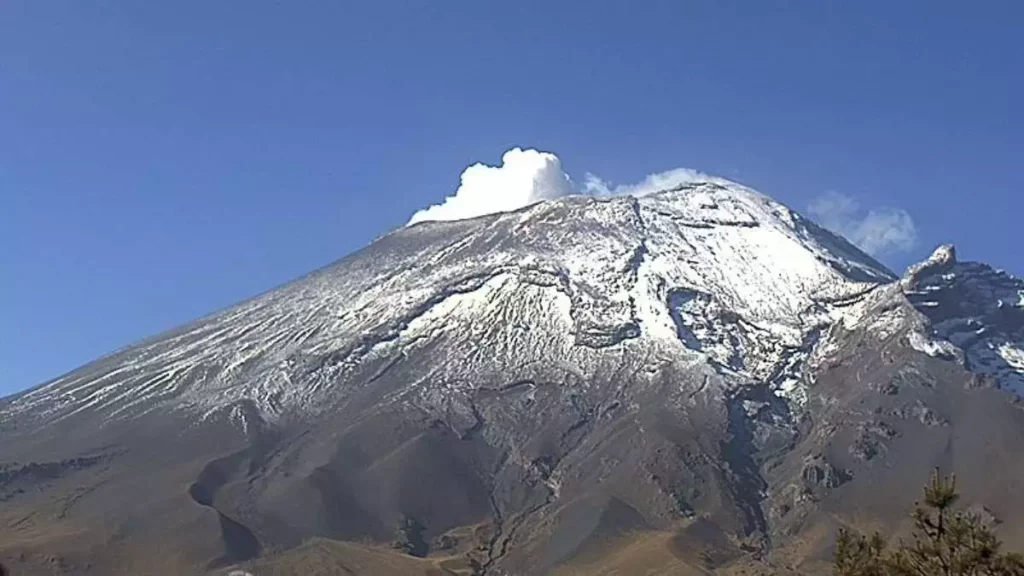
(977, 309)
(705, 271)
(524, 390)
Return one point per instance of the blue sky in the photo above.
(161, 160)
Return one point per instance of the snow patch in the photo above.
(935, 348)
(793, 390)
(1014, 357)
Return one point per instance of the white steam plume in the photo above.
(523, 178)
(656, 182)
(528, 176)
(879, 231)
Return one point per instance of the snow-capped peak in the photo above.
(708, 270)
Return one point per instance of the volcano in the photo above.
(698, 380)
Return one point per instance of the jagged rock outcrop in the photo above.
(978, 310)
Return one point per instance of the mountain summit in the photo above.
(690, 269)
(698, 378)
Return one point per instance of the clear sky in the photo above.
(161, 160)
